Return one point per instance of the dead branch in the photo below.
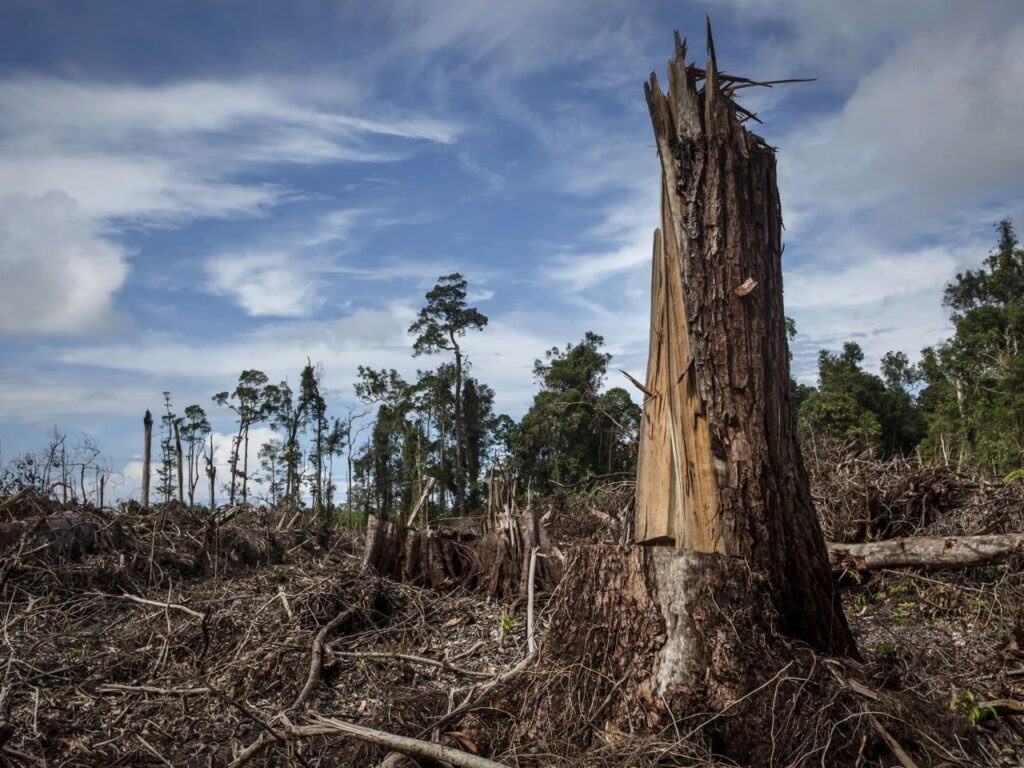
(155, 604)
(324, 726)
(927, 552)
(316, 662)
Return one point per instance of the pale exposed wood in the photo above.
(422, 500)
(157, 604)
(927, 552)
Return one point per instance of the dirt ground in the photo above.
(165, 638)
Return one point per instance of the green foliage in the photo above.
(965, 703)
(439, 325)
(851, 403)
(974, 382)
(445, 317)
(253, 400)
(573, 431)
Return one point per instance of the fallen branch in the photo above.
(113, 688)
(927, 552)
(440, 664)
(316, 662)
(155, 604)
(325, 726)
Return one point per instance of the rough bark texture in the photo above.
(642, 639)
(720, 469)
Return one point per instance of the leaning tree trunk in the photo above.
(652, 636)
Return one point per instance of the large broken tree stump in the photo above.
(720, 469)
(734, 579)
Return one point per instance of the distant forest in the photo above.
(961, 402)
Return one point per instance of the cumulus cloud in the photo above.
(58, 274)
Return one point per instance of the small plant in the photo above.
(967, 705)
(901, 615)
(886, 648)
(507, 622)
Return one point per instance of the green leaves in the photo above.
(445, 317)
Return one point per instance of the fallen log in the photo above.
(927, 552)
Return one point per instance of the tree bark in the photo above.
(927, 552)
(720, 469)
(147, 455)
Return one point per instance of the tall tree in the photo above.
(573, 431)
(313, 405)
(289, 416)
(440, 324)
(383, 454)
(273, 467)
(974, 382)
(334, 445)
(478, 411)
(168, 449)
(194, 429)
(252, 402)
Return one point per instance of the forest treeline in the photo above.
(961, 401)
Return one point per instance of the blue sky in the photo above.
(190, 189)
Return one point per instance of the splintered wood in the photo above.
(719, 469)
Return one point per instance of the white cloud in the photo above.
(166, 152)
(933, 130)
(264, 284)
(58, 274)
(869, 279)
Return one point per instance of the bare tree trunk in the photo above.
(181, 468)
(147, 454)
(443, 480)
(213, 477)
(348, 459)
(460, 474)
(245, 468)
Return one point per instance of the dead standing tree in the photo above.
(147, 452)
(719, 470)
(650, 633)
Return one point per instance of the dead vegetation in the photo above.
(161, 638)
